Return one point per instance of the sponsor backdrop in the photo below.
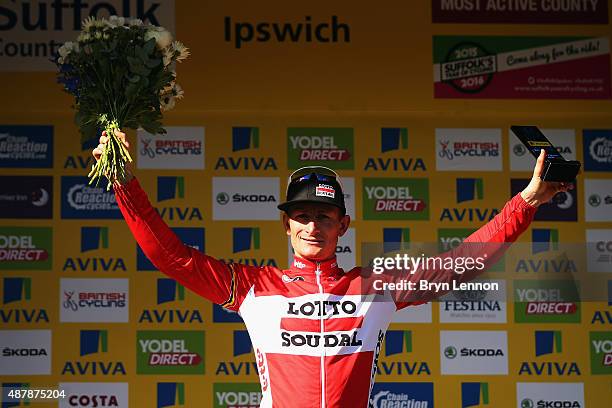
(410, 104)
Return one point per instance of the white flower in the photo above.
(65, 49)
(88, 23)
(60, 60)
(116, 21)
(163, 38)
(134, 22)
(167, 102)
(178, 91)
(83, 37)
(180, 50)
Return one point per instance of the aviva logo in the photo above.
(169, 290)
(93, 238)
(242, 343)
(244, 138)
(169, 188)
(16, 289)
(469, 189)
(395, 239)
(474, 394)
(245, 239)
(547, 342)
(393, 139)
(170, 394)
(94, 341)
(543, 240)
(397, 342)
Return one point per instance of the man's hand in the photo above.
(539, 191)
(97, 152)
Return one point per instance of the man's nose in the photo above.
(312, 227)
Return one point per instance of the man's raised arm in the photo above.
(210, 278)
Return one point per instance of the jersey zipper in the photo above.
(321, 315)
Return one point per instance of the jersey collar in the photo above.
(304, 266)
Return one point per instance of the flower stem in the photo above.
(114, 157)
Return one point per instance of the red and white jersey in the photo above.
(316, 338)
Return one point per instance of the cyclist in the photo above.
(315, 337)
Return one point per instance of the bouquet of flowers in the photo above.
(122, 75)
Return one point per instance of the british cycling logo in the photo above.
(329, 147)
(393, 147)
(26, 248)
(392, 394)
(94, 300)
(26, 197)
(25, 352)
(547, 343)
(245, 198)
(93, 342)
(171, 295)
(94, 394)
(95, 242)
(181, 148)
(245, 140)
(19, 290)
(26, 146)
(468, 149)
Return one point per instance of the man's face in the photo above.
(314, 230)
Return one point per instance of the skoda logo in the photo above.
(594, 200)
(222, 198)
(526, 403)
(519, 149)
(450, 352)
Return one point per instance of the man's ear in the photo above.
(344, 224)
(286, 223)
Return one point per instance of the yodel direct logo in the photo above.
(170, 352)
(232, 395)
(394, 198)
(546, 301)
(330, 147)
(25, 248)
(601, 352)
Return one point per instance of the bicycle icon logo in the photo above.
(147, 150)
(68, 302)
(445, 152)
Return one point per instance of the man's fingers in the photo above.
(122, 137)
(103, 138)
(539, 167)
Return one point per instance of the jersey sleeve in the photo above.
(224, 284)
(493, 238)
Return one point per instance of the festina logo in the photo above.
(96, 264)
(259, 262)
(170, 316)
(549, 368)
(23, 316)
(93, 368)
(468, 214)
(472, 306)
(546, 265)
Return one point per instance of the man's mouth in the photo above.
(312, 241)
